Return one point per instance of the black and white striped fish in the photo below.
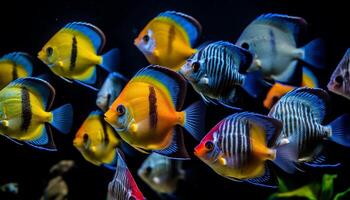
(217, 70)
(239, 146)
(123, 185)
(302, 112)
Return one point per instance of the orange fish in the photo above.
(168, 39)
(147, 113)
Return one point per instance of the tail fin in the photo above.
(62, 118)
(341, 130)
(286, 156)
(194, 119)
(255, 85)
(110, 60)
(314, 54)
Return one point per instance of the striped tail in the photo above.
(62, 118)
(194, 119)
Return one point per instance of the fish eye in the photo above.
(245, 45)
(132, 198)
(85, 137)
(148, 170)
(209, 145)
(120, 110)
(49, 51)
(195, 66)
(339, 79)
(145, 38)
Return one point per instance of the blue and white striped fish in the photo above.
(302, 111)
(123, 185)
(239, 146)
(216, 71)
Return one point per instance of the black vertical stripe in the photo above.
(74, 53)
(26, 109)
(104, 129)
(152, 98)
(14, 71)
(171, 36)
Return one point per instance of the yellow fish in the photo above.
(96, 140)
(147, 112)
(24, 115)
(168, 39)
(73, 52)
(14, 65)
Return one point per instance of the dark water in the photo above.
(26, 27)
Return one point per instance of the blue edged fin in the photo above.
(41, 88)
(315, 98)
(62, 118)
(110, 60)
(113, 164)
(266, 180)
(177, 149)
(12, 139)
(292, 24)
(194, 120)
(314, 54)
(255, 85)
(309, 78)
(44, 141)
(192, 27)
(174, 82)
(20, 58)
(341, 130)
(95, 35)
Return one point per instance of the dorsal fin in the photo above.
(294, 25)
(39, 87)
(22, 59)
(242, 57)
(316, 99)
(192, 27)
(172, 81)
(95, 35)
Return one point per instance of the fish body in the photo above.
(24, 109)
(147, 113)
(161, 173)
(73, 52)
(123, 185)
(96, 140)
(302, 111)
(239, 146)
(110, 90)
(340, 80)
(14, 65)
(168, 39)
(273, 41)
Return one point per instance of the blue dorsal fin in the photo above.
(314, 98)
(41, 88)
(295, 25)
(192, 27)
(12, 139)
(44, 141)
(20, 58)
(271, 126)
(95, 35)
(95, 113)
(176, 149)
(322, 159)
(171, 80)
(241, 56)
(266, 180)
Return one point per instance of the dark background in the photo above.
(28, 26)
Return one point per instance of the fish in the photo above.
(238, 147)
(169, 39)
(161, 173)
(25, 106)
(13, 66)
(302, 112)
(147, 113)
(123, 185)
(110, 90)
(339, 81)
(273, 40)
(217, 70)
(11, 188)
(97, 141)
(74, 52)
